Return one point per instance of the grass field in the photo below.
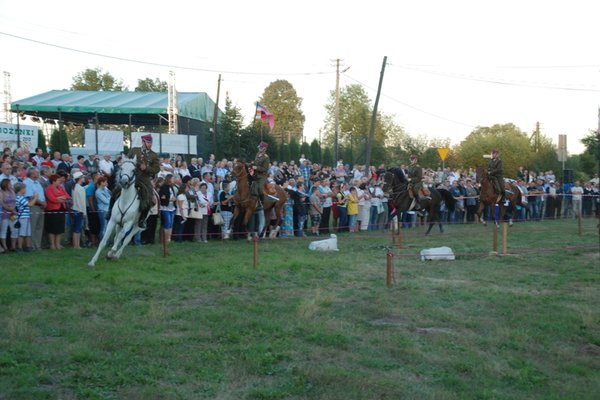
(203, 323)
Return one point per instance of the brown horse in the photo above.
(246, 202)
(489, 197)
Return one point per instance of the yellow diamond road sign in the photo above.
(443, 152)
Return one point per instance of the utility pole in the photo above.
(535, 137)
(374, 116)
(215, 118)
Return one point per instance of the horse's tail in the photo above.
(447, 198)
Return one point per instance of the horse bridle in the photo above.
(130, 178)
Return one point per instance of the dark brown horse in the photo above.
(246, 202)
(489, 197)
(396, 185)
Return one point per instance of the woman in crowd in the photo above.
(57, 207)
(9, 215)
(342, 207)
(204, 204)
(167, 207)
(102, 203)
(78, 209)
(182, 211)
(225, 205)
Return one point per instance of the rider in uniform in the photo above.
(495, 173)
(147, 167)
(260, 169)
(415, 177)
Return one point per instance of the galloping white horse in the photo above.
(124, 214)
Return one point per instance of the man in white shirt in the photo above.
(577, 192)
(106, 166)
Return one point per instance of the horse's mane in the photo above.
(399, 173)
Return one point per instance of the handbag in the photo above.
(217, 218)
(195, 213)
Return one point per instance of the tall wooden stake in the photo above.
(374, 116)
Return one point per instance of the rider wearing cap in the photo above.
(260, 168)
(147, 167)
(495, 173)
(415, 177)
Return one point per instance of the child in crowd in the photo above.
(24, 217)
(352, 209)
(315, 212)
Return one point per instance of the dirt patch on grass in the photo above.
(426, 331)
(395, 321)
(591, 350)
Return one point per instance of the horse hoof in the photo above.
(91, 264)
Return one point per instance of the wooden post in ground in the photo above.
(495, 239)
(400, 237)
(393, 230)
(504, 238)
(390, 269)
(255, 256)
(579, 227)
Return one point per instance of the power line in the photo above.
(183, 67)
(497, 81)
(413, 107)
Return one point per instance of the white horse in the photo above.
(124, 214)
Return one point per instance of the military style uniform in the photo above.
(496, 176)
(262, 164)
(415, 174)
(143, 178)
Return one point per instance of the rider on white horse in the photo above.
(147, 167)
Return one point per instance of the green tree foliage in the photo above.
(281, 99)
(284, 153)
(315, 151)
(305, 149)
(149, 85)
(328, 157)
(42, 141)
(355, 124)
(511, 141)
(590, 159)
(75, 134)
(96, 79)
(59, 141)
(230, 126)
(294, 150)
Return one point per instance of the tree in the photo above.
(281, 99)
(149, 85)
(95, 79)
(230, 125)
(590, 159)
(42, 141)
(315, 151)
(328, 158)
(284, 153)
(294, 149)
(59, 141)
(510, 140)
(305, 149)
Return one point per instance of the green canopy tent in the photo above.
(195, 110)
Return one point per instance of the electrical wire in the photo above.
(182, 67)
(497, 81)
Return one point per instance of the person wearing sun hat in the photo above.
(147, 166)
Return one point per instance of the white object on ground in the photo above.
(325, 245)
(437, 253)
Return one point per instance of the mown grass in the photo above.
(203, 323)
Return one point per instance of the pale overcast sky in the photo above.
(452, 65)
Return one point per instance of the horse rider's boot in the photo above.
(142, 222)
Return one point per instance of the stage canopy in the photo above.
(144, 108)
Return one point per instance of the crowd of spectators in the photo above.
(49, 201)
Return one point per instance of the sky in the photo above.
(451, 66)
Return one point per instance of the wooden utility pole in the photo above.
(374, 116)
(216, 118)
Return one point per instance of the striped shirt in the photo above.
(23, 207)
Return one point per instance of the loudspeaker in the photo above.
(567, 176)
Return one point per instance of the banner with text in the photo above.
(27, 135)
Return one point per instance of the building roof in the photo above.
(144, 108)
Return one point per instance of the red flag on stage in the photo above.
(265, 114)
